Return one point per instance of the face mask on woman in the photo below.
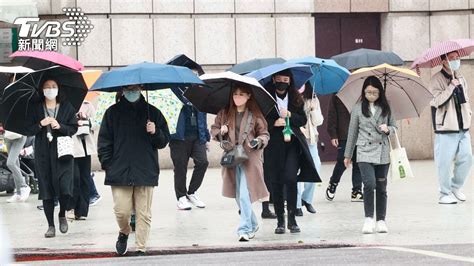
(240, 100)
(281, 86)
(132, 96)
(50, 93)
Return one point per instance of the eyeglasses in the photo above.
(374, 93)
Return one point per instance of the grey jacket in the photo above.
(372, 144)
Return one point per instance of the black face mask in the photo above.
(281, 86)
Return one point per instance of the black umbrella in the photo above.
(217, 93)
(367, 58)
(183, 60)
(254, 64)
(19, 96)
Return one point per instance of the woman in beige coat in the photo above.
(245, 181)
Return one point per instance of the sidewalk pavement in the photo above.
(414, 217)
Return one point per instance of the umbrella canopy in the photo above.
(432, 56)
(44, 59)
(300, 73)
(153, 76)
(169, 105)
(254, 64)
(183, 60)
(90, 77)
(18, 96)
(216, 95)
(328, 76)
(366, 58)
(7, 71)
(403, 87)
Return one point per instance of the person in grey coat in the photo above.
(369, 130)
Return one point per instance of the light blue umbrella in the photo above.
(153, 76)
(300, 73)
(328, 75)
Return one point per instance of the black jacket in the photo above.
(126, 151)
(274, 162)
(338, 119)
(55, 177)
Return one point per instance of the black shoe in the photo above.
(121, 245)
(141, 253)
(308, 206)
(267, 214)
(299, 212)
(51, 232)
(280, 225)
(331, 191)
(292, 225)
(63, 227)
(357, 196)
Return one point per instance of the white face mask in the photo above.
(455, 64)
(50, 94)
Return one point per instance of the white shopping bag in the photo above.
(399, 164)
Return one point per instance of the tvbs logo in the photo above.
(72, 32)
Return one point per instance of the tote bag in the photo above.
(399, 165)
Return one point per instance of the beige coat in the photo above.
(312, 109)
(443, 106)
(88, 110)
(253, 167)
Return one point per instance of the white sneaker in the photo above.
(368, 226)
(14, 198)
(459, 195)
(244, 238)
(252, 235)
(70, 215)
(381, 227)
(447, 199)
(183, 204)
(24, 193)
(193, 198)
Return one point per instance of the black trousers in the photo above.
(375, 178)
(181, 151)
(339, 168)
(80, 199)
(287, 180)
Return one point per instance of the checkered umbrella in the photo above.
(432, 56)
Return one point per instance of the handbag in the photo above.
(399, 165)
(65, 147)
(65, 144)
(11, 135)
(236, 155)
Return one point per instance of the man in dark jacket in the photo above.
(130, 134)
(338, 125)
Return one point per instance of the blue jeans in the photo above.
(449, 148)
(307, 192)
(248, 220)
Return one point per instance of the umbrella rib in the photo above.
(13, 105)
(401, 88)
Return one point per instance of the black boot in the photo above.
(292, 226)
(299, 212)
(308, 206)
(280, 225)
(266, 213)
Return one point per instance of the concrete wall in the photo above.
(219, 33)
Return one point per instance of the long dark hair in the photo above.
(251, 104)
(381, 101)
(59, 99)
(308, 91)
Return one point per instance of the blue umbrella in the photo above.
(328, 75)
(300, 73)
(153, 76)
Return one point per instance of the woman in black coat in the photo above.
(284, 160)
(52, 118)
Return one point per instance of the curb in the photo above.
(35, 254)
